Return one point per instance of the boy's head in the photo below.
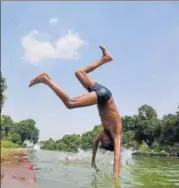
(107, 142)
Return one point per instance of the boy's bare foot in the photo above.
(39, 79)
(106, 55)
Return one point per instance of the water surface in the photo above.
(68, 170)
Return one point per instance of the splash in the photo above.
(36, 147)
(102, 157)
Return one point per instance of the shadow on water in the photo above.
(59, 169)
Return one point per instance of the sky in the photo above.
(61, 37)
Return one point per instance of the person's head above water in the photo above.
(107, 142)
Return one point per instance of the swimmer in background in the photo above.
(67, 160)
(99, 95)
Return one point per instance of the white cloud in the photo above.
(66, 47)
(53, 21)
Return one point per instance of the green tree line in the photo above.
(71, 143)
(3, 87)
(14, 134)
(18, 132)
(158, 133)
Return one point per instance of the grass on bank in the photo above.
(8, 148)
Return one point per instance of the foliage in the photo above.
(71, 143)
(16, 133)
(19, 132)
(148, 130)
(170, 129)
(129, 123)
(68, 143)
(6, 124)
(146, 112)
(8, 144)
(14, 137)
(5, 152)
(27, 131)
(144, 131)
(129, 141)
(3, 87)
(144, 148)
(88, 137)
(156, 146)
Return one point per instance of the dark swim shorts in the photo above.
(102, 92)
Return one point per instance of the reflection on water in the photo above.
(68, 170)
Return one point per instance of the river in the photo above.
(68, 170)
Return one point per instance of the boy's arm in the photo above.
(95, 147)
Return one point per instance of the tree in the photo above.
(6, 120)
(6, 125)
(48, 144)
(128, 123)
(148, 131)
(88, 137)
(158, 134)
(3, 88)
(71, 143)
(148, 127)
(170, 131)
(14, 137)
(128, 139)
(146, 112)
(27, 130)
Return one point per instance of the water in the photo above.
(68, 170)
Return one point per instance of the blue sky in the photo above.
(60, 37)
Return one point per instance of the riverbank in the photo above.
(7, 152)
(16, 169)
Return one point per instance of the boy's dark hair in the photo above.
(110, 145)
